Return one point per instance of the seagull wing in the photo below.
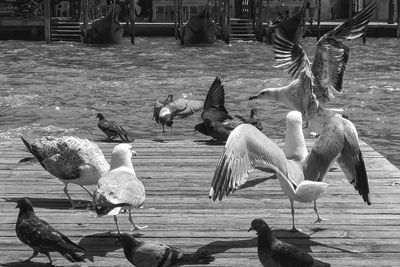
(331, 55)
(246, 149)
(182, 108)
(351, 162)
(288, 52)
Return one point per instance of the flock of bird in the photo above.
(300, 173)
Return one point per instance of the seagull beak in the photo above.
(134, 153)
(251, 228)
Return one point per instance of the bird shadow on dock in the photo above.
(100, 244)
(54, 203)
(210, 142)
(25, 263)
(298, 239)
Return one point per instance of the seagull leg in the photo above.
(73, 203)
(87, 190)
(35, 253)
(319, 219)
(135, 227)
(292, 210)
(116, 223)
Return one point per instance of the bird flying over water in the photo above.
(166, 111)
(300, 173)
(42, 237)
(70, 159)
(274, 252)
(156, 254)
(330, 59)
(113, 130)
(120, 189)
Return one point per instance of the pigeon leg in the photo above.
(163, 129)
(87, 190)
(48, 256)
(116, 223)
(319, 219)
(35, 253)
(292, 210)
(135, 227)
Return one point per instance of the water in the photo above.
(58, 88)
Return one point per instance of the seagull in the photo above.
(153, 254)
(252, 120)
(165, 112)
(42, 237)
(70, 159)
(112, 129)
(274, 252)
(120, 189)
(330, 59)
(300, 173)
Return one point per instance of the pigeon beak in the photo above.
(251, 228)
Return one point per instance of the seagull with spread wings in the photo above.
(70, 159)
(120, 189)
(166, 111)
(300, 173)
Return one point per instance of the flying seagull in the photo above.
(154, 254)
(274, 252)
(330, 59)
(70, 159)
(120, 189)
(113, 130)
(300, 173)
(166, 111)
(42, 237)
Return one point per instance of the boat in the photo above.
(200, 29)
(105, 30)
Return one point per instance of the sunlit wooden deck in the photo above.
(177, 177)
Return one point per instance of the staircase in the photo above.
(65, 29)
(242, 29)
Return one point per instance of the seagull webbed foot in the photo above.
(137, 227)
(320, 219)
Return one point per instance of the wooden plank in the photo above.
(177, 176)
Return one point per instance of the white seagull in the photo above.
(70, 159)
(330, 59)
(300, 173)
(120, 189)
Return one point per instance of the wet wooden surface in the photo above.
(177, 176)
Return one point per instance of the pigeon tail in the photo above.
(318, 263)
(72, 256)
(203, 257)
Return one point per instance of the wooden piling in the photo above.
(319, 20)
(132, 16)
(260, 20)
(225, 21)
(398, 19)
(85, 8)
(47, 18)
(176, 19)
(180, 18)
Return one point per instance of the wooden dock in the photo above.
(177, 176)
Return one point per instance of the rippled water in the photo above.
(59, 88)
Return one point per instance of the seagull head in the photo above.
(100, 116)
(24, 204)
(122, 155)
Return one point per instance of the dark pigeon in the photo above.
(113, 130)
(43, 238)
(156, 254)
(274, 252)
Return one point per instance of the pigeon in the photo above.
(274, 252)
(70, 159)
(165, 112)
(330, 59)
(300, 173)
(120, 189)
(156, 254)
(113, 130)
(252, 120)
(42, 237)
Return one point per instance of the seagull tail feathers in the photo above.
(362, 185)
(308, 191)
(203, 257)
(103, 207)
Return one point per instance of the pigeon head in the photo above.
(100, 116)
(121, 155)
(127, 241)
(24, 204)
(259, 225)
